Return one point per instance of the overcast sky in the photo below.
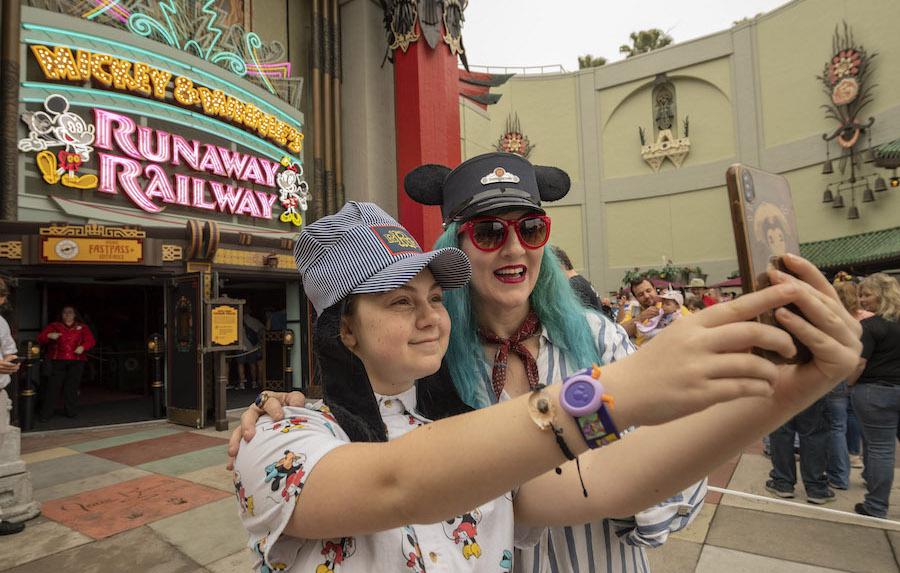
(542, 32)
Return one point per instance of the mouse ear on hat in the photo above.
(425, 184)
(553, 183)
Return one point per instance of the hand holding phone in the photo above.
(18, 359)
(9, 366)
(765, 229)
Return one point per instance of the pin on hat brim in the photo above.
(450, 267)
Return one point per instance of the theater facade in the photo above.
(160, 163)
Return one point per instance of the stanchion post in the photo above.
(155, 348)
(26, 402)
(28, 396)
(219, 399)
(288, 371)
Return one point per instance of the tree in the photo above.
(645, 41)
(589, 61)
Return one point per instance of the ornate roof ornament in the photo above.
(438, 20)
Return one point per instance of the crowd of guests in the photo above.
(644, 310)
(853, 426)
(856, 424)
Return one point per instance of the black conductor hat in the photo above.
(484, 183)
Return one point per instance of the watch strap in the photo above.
(596, 426)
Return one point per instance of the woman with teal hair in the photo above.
(514, 277)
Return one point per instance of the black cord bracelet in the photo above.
(543, 415)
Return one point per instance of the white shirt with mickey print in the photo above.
(269, 475)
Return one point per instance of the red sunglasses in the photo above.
(490, 233)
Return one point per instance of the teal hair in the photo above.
(556, 304)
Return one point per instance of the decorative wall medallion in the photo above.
(171, 253)
(846, 81)
(667, 144)
(514, 141)
(11, 250)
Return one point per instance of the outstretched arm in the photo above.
(660, 460)
(647, 391)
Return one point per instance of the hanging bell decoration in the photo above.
(868, 196)
(827, 169)
(853, 212)
(838, 202)
(880, 185)
(827, 197)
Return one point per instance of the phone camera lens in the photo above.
(749, 193)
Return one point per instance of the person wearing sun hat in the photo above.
(698, 289)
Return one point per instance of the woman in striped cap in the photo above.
(338, 486)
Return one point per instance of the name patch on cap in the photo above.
(396, 239)
(499, 175)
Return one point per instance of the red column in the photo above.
(426, 108)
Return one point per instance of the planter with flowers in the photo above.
(670, 272)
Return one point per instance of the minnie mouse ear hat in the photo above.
(361, 249)
(484, 183)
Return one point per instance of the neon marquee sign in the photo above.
(135, 160)
(159, 148)
(61, 64)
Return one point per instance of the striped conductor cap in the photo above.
(361, 249)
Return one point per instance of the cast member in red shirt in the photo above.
(66, 341)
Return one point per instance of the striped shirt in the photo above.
(609, 545)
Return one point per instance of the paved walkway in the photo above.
(157, 498)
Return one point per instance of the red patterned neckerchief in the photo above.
(529, 328)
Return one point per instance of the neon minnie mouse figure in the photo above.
(294, 192)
